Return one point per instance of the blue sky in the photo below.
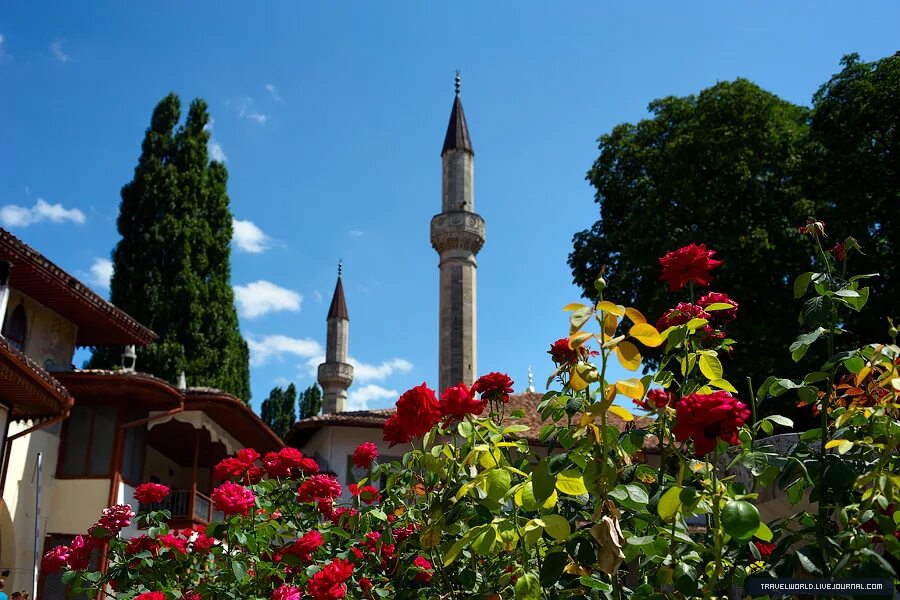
(330, 117)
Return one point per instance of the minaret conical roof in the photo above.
(338, 308)
(457, 137)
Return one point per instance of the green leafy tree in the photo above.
(279, 410)
(172, 267)
(853, 167)
(311, 402)
(720, 168)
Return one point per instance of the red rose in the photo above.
(418, 410)
(287, 592)
(765, 550)
(656, 398)
(317, 488)
(175, 543)
(142, 543)
(233, 499)
(305, 545)
(79, 556)
(681, 314)
(366, 493)
(561, 353)
(55, 559)
(328, 583)
(365, 585)
(690, 263)
(813, 227)
(112, 520)
(708, 418)
(459, 401)
(424, 569)
(394, 433)
(839, 252)
(150, 493)
(724, 315)
(151, 596)
(494, 387)
(364, 454)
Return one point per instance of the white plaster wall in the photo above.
(50, 339)
(17, 554)
(336, 444)
(159, 465)
(77, 504)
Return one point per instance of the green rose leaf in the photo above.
(669, 503)
(740, 519)
(528, 587)
(556, 526)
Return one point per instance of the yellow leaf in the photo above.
(610, 322)
(586, 419)
(834, 443)
(633, 388)
(551, 501)
(718, 306)
(579, 338)
(895, 383)
(578, 318)
(576, 381)
(621, 413)
(575, 306)
(710, 367)
(609, 307)
(646, 334)
(635, 315)
(723, 385)
(629, 355)
(609, 394)
(596, 431)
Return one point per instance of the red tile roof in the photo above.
(99, 322)
(30, 390)
(304, 429)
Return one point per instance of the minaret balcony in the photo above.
(457, 230)
(335, 373)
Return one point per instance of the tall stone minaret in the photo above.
(336, 374)
(457, 233)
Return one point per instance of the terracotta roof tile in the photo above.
(526, 402)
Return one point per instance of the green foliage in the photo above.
(852, 170)
(172, 267)
(279, 410)
(310, 402)
(720, 168)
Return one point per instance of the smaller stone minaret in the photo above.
(336, 374)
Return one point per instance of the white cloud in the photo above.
(255, 116)
(101, 272)
(317, 296)
(365, 372)
(273, 92)
(12, 215)
(2, 49)
(57, 50)
(263, 297)
(249, 238)
(359, 398)
(215, 151)
(277, 346)
(355, 232)
(281, 381)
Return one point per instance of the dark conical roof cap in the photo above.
(457, 137)
(338, 308)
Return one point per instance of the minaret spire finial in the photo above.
(530, 388)
(340, 266)
(458, 80)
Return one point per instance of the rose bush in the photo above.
(656, 510)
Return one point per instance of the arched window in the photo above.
(15, 329)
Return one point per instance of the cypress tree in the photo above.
(172, 266)
(311, 402)
(279, 410)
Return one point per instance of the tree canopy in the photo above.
(720, 168)
(853, 171)
(279, 410)
(172, 266)
(737, 168)
(311, 402)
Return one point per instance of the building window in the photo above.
(15, 328)
(88, 441)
